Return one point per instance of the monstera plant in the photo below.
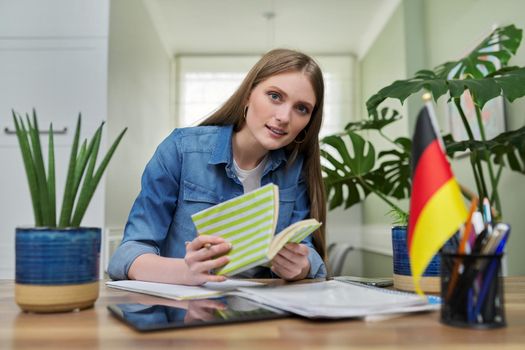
(352, 170)
(352, 163)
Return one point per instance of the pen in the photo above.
(487, 216)
(479, 242)
(488, 282)
(470, 308)
(468, 225)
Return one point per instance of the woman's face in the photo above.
(279, 108)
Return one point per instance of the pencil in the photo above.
(461, 250)
(468, 225)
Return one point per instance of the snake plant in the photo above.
(82, 169)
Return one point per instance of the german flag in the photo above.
(436, 206)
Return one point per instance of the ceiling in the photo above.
(255, 26)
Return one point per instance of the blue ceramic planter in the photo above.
(57, 268)
(430, 281)
(400, 251)
(57, 256)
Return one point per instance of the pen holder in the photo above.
(472, 291)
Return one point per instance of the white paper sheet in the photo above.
(182, 292)
(334, 299)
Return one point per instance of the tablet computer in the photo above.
(370, 281)
(193, 313)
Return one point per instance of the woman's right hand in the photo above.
(200, 259)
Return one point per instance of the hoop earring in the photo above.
(304, 138)
(245, 112)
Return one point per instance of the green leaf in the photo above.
(399, 217)
(499, 47)
(375, 122)
(347, 177)
(475, 72)
(40, 171)
(69, 195)
(362, 161)
(396, 170)
(507, 148)
(83, 157)
(51, 187)
(509, 82)
(91, 182)
(29, 166)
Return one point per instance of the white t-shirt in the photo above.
(250, 179)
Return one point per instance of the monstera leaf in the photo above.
(395, 169)
(344, 170)
(506, 149)
(499, 46)
(376, 121)
(476, 73)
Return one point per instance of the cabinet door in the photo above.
(59, 78)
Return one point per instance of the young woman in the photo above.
(267, 132)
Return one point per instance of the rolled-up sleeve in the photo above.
(152, 212)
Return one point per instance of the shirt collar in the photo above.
(222, 153)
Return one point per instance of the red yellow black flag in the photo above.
(437, 209)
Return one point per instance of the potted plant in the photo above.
(388, 174)
(57, 260)
(354, 170)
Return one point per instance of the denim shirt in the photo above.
(191, 170)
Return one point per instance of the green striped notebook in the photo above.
(248, 222)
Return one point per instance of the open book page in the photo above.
(248, 222)
(181, 292)
(334, 299)
(294, 233)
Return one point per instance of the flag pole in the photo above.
(427, 98)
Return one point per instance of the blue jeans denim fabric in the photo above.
(191, 170)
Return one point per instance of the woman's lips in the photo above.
(276, 131)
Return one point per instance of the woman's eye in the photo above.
(274, 96)
(303, 109)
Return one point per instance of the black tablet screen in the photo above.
(181, 314)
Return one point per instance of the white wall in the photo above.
(138, 97)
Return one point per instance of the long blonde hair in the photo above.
(232, 113)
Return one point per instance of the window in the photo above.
(205, 82)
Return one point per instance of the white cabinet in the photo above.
(59, 78)
(53, 57)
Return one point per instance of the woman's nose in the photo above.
(283, 113)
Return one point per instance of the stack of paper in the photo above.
(334, 299)
(328, 299)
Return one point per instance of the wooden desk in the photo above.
(97, 329)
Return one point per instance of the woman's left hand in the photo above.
(291, 263)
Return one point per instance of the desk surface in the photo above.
(95, 328)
